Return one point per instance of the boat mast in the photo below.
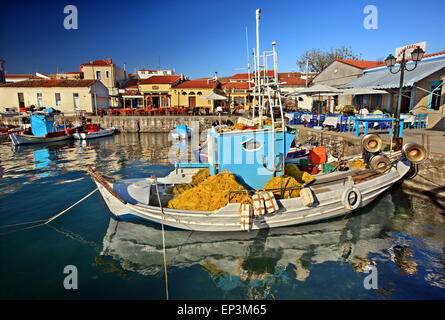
(257, 85)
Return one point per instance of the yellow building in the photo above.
(190, 94)
(68, 96)
(156, 91)
(238, 94)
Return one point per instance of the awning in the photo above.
(214, 96)
(382, 78)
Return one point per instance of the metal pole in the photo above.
(399, 102)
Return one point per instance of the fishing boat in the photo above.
(255, 151)
(91, 131)
(44, 128)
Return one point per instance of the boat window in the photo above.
(252, 145)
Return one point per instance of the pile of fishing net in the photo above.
(210, 194)
(197, 178)
(294, 178)
(357, 164)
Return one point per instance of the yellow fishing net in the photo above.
(288, 182)
(210, 194)
(301, 176)
(197, 178)
(357, 164)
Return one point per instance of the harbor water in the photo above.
(398, 241)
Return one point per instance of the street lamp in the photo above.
(416, 56)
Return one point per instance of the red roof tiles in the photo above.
(293, 81)
(161, 80)
(101, 62)
(245, 76)
(238, 85)
(363, 64)
(50, 83)
(197, 84)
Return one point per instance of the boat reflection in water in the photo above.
(257, 258)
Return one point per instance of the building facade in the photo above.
(68, 96)
(190, 94)
(156, 90)
(146, 73)
(111, 76)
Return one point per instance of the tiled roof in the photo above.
(238, 85)
(101, 62)
(242, 76)
(282, 75)
(362, 64)
(50, 83)
(198, 84)
(293, 81)
(161, 80)
(29, 76)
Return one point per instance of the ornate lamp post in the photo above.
(390, 61)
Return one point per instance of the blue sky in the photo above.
(198, 38)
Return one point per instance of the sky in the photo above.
(198, 38)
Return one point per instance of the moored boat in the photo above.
(44, 128)
(92, 131)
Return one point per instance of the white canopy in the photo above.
(361, 91)
(214, 96)
(317, 89)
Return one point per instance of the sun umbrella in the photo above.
(317, 89)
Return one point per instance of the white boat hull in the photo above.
(140, 203)
(94, 134)
(18, 139)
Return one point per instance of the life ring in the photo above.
(351, 198)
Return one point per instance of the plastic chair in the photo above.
(314, 121)
(420, 121)
(343, 123)
(321, 119)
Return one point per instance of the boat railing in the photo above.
(369, 173)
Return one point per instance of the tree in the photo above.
(319, 59)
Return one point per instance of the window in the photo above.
(252, 145)
(435, 92)
(98, 75)
(76, 101)
(57, 99)
(39, 99)
(107, 74)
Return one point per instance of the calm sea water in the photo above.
(400, 234)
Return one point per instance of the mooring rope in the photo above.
(44, 221)
(163, 236)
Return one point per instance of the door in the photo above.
(39, 100)
(192, 102)
(21, 100)
(76, 101)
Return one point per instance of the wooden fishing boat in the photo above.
(335, 194)
(92, 131)
(18, 138)
(44, 128)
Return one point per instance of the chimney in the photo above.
(216, 76)
(110, 61)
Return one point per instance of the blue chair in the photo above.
(314, 121)
(343, 124)
(321, 119)
(420, 121)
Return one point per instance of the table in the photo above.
(306, 117)
(368, 120)
(331, 121)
